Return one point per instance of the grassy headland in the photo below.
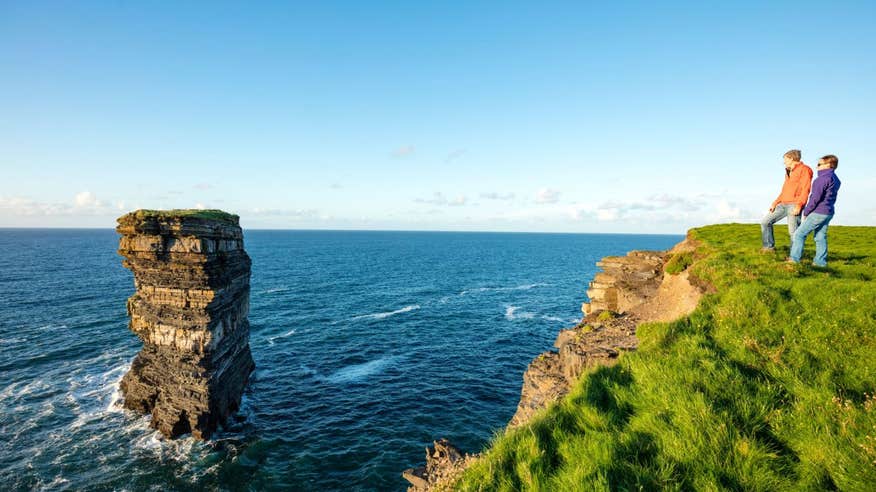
(768, 385)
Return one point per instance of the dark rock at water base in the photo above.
(444, 463)
(190, 309)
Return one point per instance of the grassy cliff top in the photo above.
(183, 213)
(768, 385)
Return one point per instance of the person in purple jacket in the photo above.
(818, 212)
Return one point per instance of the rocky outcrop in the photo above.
(629, 290)
(625, 281)
(594, 342)
(444, 463)
(190, 308)
(607, 330)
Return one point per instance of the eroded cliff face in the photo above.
(625, 283)
(629, 290)
(190, 308)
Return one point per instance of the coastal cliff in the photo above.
(629, 290)
(766, 385)
(190, 309)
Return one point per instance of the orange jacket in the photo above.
(796, 187)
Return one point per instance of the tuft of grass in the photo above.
(606, 315)
(768, 385)
(185, 213)
(679, 262)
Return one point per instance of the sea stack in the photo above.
(190, 308)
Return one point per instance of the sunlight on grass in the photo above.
(768, 385)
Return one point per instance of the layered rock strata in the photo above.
(190, 309)
(629, 290)
(608, 329)
(625, 281)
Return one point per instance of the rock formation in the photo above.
(625, 281)
(607, 330)
(190, 308)
(630, 289)
(444, 463)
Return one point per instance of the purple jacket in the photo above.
(823, 194)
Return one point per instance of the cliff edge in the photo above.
(190, 309)
(629, 290)
(766, 385)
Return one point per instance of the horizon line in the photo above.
(372, 230)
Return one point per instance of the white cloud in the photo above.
(438, 198)
(280, 212)
(497, 196)
(85, 199)
(404, 151)
(458, 201)
(83, 203)
(607, 214)
(547, 195)
(685, 211)
(456, 154)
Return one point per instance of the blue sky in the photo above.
(540, 116)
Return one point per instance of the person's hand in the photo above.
(797, 210)
(772, 209)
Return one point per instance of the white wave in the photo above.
(52, 327)
(512, 314)
(284, 335)
(101, 389)
(150, 441)
(56, 483)
(15, 391)
(358, 372)
(275, 290)
(503, 289)
(115, 401)
(387, 314)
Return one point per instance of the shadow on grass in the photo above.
(600, 393)
(752, 380)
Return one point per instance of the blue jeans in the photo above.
(766, 225)
(816, 223)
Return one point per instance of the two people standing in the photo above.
(792, 202)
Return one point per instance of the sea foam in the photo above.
(387, 314)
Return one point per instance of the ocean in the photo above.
(368, 346)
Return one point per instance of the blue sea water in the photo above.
(368, 345)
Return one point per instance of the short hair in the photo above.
(831, 160)
(794, 155)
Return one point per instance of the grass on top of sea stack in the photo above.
(768, 385)
(185, 213)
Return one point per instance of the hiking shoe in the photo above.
(791, 261)
(767, 250)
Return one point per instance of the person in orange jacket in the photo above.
(792, 199)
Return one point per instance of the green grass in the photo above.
(184, 213)
(768, 385)
(679, 262)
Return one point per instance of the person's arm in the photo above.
(776, 201)
(817, 195)
(804, 186)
